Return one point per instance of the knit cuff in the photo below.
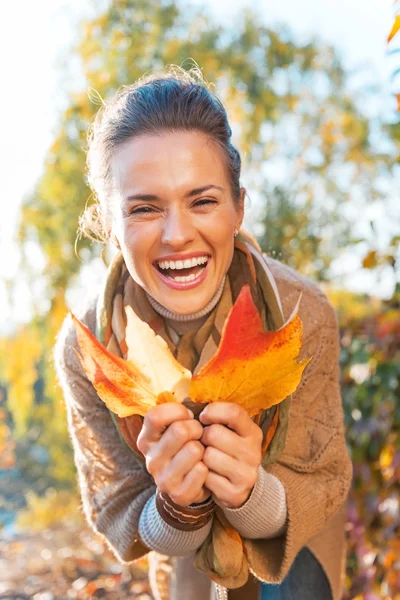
(184, 518)
(162, 537)
(264, 513)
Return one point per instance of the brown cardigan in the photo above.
(314, 467)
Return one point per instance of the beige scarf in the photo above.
(221, 556)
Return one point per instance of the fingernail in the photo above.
(191, 414)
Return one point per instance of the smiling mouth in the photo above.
(181, 275)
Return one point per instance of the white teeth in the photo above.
(183, 264)
(187, 278)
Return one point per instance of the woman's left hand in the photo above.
(233, 452)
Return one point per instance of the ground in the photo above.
(69, 562)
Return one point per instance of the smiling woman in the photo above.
(243, 507)
(164, 217)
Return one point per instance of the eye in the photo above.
(205, 202)
(142, 210)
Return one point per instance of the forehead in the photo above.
(170, 159)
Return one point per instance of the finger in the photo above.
(182, 463)
(191, 488)
(230, 414)
(157, 420)
(177, 435)
(224, 439)
(224, 493)
(220, 463)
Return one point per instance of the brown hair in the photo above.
(173, 99)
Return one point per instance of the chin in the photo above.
(185, 308)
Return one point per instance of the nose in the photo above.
(178, 229)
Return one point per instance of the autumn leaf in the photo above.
(129, 387)
(252, 367)
(395, 29)
(370, 260)
(153, 357)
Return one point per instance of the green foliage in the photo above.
(295, 233)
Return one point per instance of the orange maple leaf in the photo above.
(252, 367)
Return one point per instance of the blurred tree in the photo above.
(370, 360)
(308, 147)
(290, 109)
(21, 373)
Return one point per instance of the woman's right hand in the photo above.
(169, 441)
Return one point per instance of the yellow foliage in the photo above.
(351, 305)
(49, 510)
(4, 351)
(56, 316)
(330, 133)
(24, 351)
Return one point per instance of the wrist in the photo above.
(247, 496)
(242, 500)
(205, 495)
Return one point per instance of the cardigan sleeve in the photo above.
(315, 467)
(264, 513)
(115, 488)
(162, 537)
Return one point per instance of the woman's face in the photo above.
(174, 216)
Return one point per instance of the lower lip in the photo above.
(184, 285)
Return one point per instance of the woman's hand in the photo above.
(233, 452)
(169, 440)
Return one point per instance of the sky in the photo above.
(35, 61)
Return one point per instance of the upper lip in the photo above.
(181, 256)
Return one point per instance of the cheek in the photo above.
(220, 234)
(137, 245)
(138, 238)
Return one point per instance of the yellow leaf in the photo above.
(370, 260)
(153, 358)
(395, 29)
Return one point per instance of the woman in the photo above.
(167, 179)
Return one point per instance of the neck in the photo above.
(169, 314)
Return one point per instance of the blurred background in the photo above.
(311, 90)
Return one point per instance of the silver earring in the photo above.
(235, 232)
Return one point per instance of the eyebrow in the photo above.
(189, 194)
